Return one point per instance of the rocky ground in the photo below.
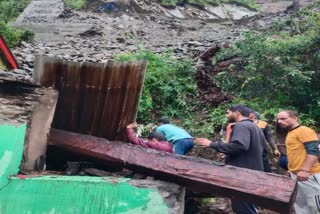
(102, 31)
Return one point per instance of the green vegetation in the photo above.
(280, 68)
(14, 36)
(170, 91)
(251, 4)
(9, 10)
(75, 4)
(169, 87)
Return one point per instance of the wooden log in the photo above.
(270, 191)
(224, 65)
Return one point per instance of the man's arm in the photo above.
(239, 141)
(228, 148)
(134, 139)
(313, 153)
(220, 146)
(268, 134)
(308, 163)
(166, 147)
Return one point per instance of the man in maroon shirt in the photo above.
(155, 140)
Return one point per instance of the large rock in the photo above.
(230, 11)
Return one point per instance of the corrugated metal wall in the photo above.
(94, 98)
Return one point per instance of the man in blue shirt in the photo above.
(181, 140)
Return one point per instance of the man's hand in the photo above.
(276, 153)
(303, 175)
(132, 125)
(221, 156)
(202, 142)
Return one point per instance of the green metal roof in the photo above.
(11, 150)
(76, 194)
(66, 194)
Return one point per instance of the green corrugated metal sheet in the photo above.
(11, 149)
(66, 194)
(76, 194)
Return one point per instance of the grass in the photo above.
(75, 4)
(9, 11)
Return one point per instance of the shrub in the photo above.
(281, 67)
(14, 36)
(75, 4)
(9, 10)
(169, 87)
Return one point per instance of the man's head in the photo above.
(156, 137)
(229, 117)
(238, 112)
(254, 116)
(287, 119)
(163, 120)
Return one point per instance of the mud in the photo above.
(97, 37)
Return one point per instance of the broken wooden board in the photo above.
(270, 191)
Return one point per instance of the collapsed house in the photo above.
(78, 111)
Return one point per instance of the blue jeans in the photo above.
(241, 207)
(182, 146)
(283, 162)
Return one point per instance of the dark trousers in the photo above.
(240, 207)
(265, 159)
(182, 146)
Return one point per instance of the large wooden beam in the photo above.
(270, 191)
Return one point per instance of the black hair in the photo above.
(291, 113)
(164, 120)
(242, 109)
(158, 136)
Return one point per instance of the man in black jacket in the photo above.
(244, 149)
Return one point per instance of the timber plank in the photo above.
(267, 190)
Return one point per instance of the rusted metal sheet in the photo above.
(94, 98)
(270, 191)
